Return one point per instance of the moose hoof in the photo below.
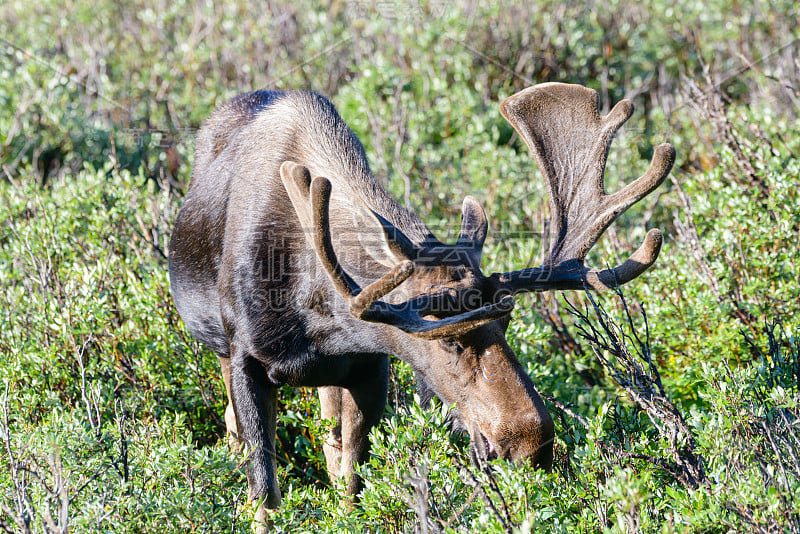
(235, 444)
(261, 523)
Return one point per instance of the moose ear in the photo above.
(379, 238)
(473, 230)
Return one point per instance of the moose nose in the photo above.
(527, 440)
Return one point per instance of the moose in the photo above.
(296, 267)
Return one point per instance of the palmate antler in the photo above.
(561, 125)
(364, 303)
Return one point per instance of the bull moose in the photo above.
(291, 262)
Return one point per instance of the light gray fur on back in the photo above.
(241, 141)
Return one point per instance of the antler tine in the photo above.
(660, 165)
(358, 300)
(573, 275)
(364, 303)
(639, 262)
(408, 319)
(561, 125)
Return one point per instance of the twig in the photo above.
(643, 384)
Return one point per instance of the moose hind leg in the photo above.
(255, 401)
(362, 405)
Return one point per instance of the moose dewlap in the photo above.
(296, 267)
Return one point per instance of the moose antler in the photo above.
(570, 140)
(364, 303)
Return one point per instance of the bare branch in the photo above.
(625, 354)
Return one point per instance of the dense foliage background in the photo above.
(681, 420)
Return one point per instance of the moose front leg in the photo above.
(330, 403)
(355, 409)
(234, 440)
(255, 403)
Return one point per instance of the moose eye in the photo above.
(451, 345)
